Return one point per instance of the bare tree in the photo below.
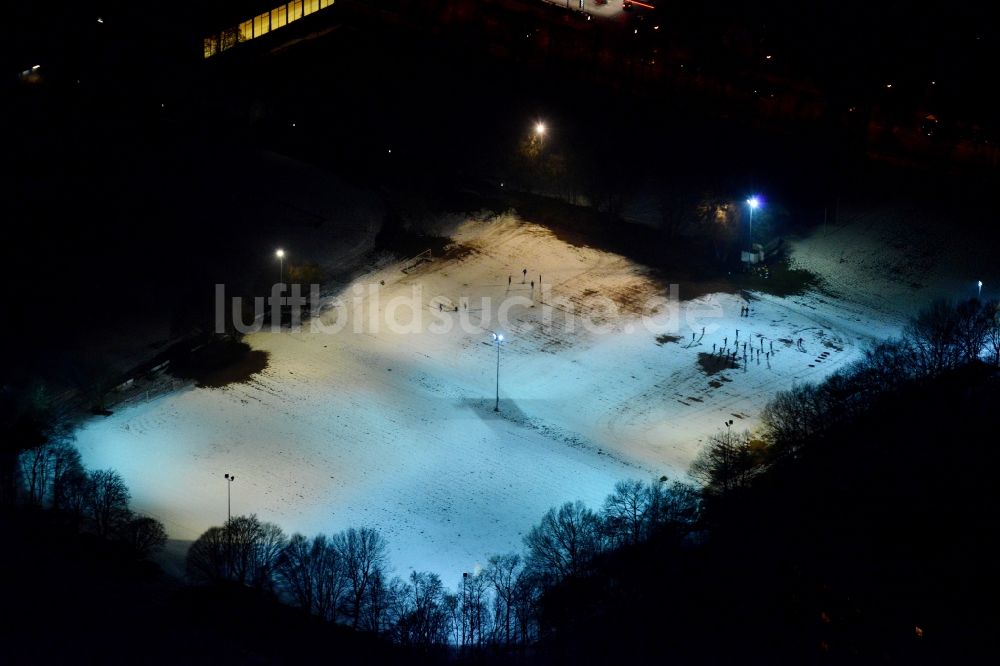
(841, 396)
(271, 541)
(363, 553)
(794, 416)
(993, 332)
(626, 511)
(45, 469)
(885, 366)
(453, 608)
(29, 419)
(208, 557)
(330, 579)
(503, 573)
(66, 467)
(254, 548)
(528, 592)
(423, 616)
(382, 597)
(805, 411)
(675, 506)
(296, 570)
(144, 535)
(973, 320)
(565, 541)
(245, 550)
(313, 574)
(74, 494)
(35, 469)
(107, 501)
(473, 598)
(933, 333)
(727, 462)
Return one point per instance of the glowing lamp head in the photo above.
(280, 254)
(980, 284)
(498, 337)
(753, 202)
(540, 128)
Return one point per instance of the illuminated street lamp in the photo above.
(229, 496)
(499, 338)
(539, 129)
(280, 254)
(754, 203)
(980, 285)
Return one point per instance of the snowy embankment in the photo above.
(390, 421)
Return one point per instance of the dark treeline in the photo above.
(855, 526)
(345, 578)
(41, 469)
(80, 585)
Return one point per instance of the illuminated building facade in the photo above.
(262, 24)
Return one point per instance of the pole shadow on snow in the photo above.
(511, 412)
(484, 409)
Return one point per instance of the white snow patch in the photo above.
(397, 430)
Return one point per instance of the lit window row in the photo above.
(261, 25)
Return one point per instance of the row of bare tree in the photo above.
(53, 477)
(940, 338)
(946, 335)
(345, 578)
(499, 605)
(40, 468)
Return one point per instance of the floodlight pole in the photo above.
(229, 496)
(499, 338)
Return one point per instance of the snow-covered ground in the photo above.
(889, 261)
(375, 425)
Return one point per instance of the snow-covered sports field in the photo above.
(389, 422)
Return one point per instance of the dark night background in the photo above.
(132, 167)
(125, 164)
